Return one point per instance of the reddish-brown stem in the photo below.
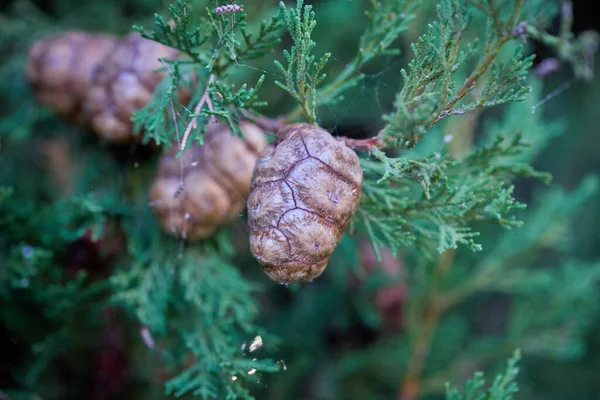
(362, 144)
(265, 123)
(436, 304)
(274, 125)
(194, 122)
(420, 351)
(270, 125)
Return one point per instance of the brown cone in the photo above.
(206, 187)
(304, 193)
(124, 84)
(60, 70)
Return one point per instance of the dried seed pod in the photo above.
(305, 190)
(124, 83)
(207, 185)
(60, 70)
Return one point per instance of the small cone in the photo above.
(206, 187)
(60, 70)
(305, 190)
(124, 83)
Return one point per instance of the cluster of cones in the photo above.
(97, 80)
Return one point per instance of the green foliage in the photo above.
(228, 102)
(431, 91)
(544, 293)
(200, 298)
(225, 102)
(387, 20)
(538, 321)
(161, 127)
(188, 32)
(211, 42)
(473, 189)
(537, 131)
(303, 72)
(480, 189)
(180, 34)
(32, 273)
(503, 387)
(455, 194)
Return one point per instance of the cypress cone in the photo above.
(206, 187)
(124, 83)
(60, 70)
(305, 190)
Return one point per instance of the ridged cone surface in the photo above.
(60, 70)
(124, 83)
(305, 190)
(216, 181)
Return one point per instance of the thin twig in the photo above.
(265, 123)
(194, 122)
(363, 144)
(180, 188)
(438, 302)
(274, 125)
(435, 307)
(483, 66)
(411, 385)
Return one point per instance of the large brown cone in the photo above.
(124, 84)
(206, 187)
(305, 190)
(60, 70)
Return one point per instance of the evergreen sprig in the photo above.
(503, 387)
(178, 32)
(212, 41)
(387, 20)
(538, 321)
(196, 296)
(230, 105)
(257, 45)
(228, 102)
(431, 92)
(160, 120)
(218, 100)
(213, 44)
(303, 72)
(455, 194)
(33, 268)
(223, 337)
